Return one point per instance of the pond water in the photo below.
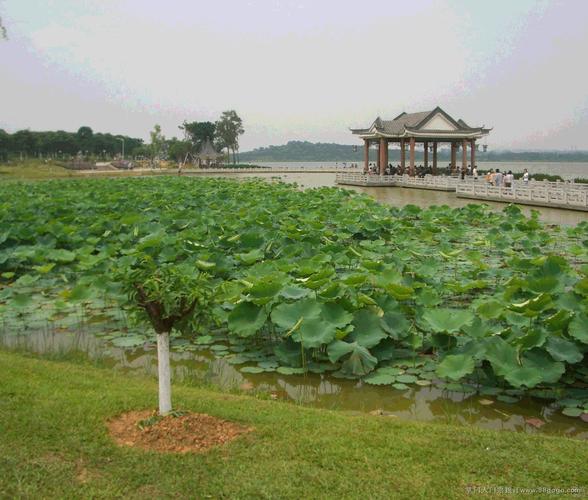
(428, 404)
(567, 170)
(400, 197)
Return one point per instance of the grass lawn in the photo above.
(53, 443)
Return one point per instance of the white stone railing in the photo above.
(548, 194)
(361, 179)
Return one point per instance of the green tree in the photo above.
(168, 296)
(198, 132)
(178, 150)
(157, 142)
(228, 129)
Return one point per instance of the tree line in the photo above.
(23, 144)
(331, 152)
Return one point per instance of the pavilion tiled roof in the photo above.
(413, 123)
(397, 125)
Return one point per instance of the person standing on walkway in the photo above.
(526, 177)
(475, 172)
(498, 178)
(508, 179)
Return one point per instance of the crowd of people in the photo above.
(492, 177)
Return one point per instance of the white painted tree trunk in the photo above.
(164, 374)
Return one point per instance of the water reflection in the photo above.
(429, 404)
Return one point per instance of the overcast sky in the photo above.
(297, 70)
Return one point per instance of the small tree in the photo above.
(169, 297)
(157, 142)
(228, 130)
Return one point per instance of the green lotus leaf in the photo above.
(384, 350)
(423, 382)
(263, 291)
(268, 364)
(532, 307)
(129, 341)
(558, 321)
(236, 360)
(507, 399)
(367, 330)
(288, 370)
(563, 350)
(490, 309)
(60, 255)
(378, 378)
(203, 340)
(287, 315)
(314, 332)
(572, 412)
(390, 370)
(524, 376)
(428, 297)
(21, 300)
(581, 287)
(396, 324)
(81, 293)
(251, 257)
(456, 366)
(406, 379)
(360, 361)
(447, 320)
(578, 328)
(400, 292)
(336, 314)
(501, 355)
(205, 265)
(338, 348)
(294, 292)
(479, 329)
(251, 369)
(400, 387)
(246, 319)
(535, 337)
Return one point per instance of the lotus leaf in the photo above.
(563, 350)
(447, 320)
(246, 319)
(367, 330)
(286, 315)
(578, 328)
(456, 366)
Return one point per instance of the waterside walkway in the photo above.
(538, 193)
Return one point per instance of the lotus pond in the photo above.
(324, 283)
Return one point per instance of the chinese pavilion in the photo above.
(427, 127)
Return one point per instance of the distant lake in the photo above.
(567, 170)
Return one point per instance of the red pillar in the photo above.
(426, 144)
(366, 155)
(402, 155)
(412, 143)
(464, 155)
(435, 158)
(383, 155)
(453, 158)
(473, 153)
(379, 162)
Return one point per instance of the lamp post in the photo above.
(123, 147)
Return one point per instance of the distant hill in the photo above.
(322, 151)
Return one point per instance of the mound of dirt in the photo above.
(192, 432)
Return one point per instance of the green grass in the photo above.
(33, 169)
(53, 444)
